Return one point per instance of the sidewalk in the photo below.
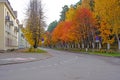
(16, 58)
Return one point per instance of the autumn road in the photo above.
(64, 66)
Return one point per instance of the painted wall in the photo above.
(8, 33)
(2, 46)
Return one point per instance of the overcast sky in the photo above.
(52, 8)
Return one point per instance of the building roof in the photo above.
(7, 3)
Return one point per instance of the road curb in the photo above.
(21, 62)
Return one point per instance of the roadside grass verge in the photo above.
(114, 54)
(102, 52)
(31, 50)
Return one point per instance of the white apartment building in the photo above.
(8, 26)
(22, 43)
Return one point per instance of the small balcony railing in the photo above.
(7, 18)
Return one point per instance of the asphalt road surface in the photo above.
(64, 66)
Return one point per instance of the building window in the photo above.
(7, 17)
(7, 42)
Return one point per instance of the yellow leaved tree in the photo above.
(109, 11)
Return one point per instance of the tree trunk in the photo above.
(93, 45)
(78, 45)
(67, 46)
(118, 40)
(119, 44)
(108, 46)
(100, 45)
(35, 44)
(72, 45)
(83, 46)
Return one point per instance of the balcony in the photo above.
(7, 18)
(7, 29)
(16, 29)
(11, 23)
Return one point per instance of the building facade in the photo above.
(22, 42)
(8, 26)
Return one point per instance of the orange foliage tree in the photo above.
(86, 25)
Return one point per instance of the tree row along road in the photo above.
(64, 66)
